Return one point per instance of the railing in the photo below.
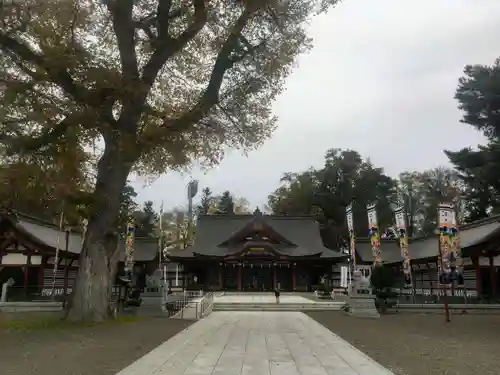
(191, 308)
(437, 295)
(193, 293)
(35, 293)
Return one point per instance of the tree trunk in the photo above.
(97, 264)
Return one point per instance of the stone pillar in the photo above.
(294, 277)
(239, 276)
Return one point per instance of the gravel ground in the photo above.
(420, 344)
(77, 350)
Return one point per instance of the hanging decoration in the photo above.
(450, 262)
(352, 236)
(459, 260)
(129, 248)
(373, 233)
(445, 255)
(399, 214)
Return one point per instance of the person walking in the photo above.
(277, 292)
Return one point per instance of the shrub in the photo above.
(382, 279)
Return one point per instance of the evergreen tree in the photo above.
(145, 220)
(206, 202)
(478, 96)
(226, 204)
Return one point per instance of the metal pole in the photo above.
(160, 238)
(190, 218)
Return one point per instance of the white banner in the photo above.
(344, 274)
(399, 214)
(372, 216)
(350, 219)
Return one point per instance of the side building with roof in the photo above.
(28, 248)
(480, 243)
(257, 253)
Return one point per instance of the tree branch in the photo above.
(27, 144)
(59, 76)
(124, 28)
(166, 46)
(210, 96)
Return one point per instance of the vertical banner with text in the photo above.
(374, 233)
(446, 243)
(129, 248)
(352, 235)
(450, 262)
(402, 229)
(459, 260)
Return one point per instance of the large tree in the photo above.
(411, 196)
(438, 185)
(478, 96)
(159, 82)
(345, 178)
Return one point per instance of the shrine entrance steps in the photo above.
(267, 302)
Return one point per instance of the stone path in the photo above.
(255, 343)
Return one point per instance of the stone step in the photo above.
(324, 304)
(276, 307)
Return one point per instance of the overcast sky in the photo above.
(380, 80)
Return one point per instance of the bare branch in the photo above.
(166, 46)
(124, 28)
(163, 19)
(21, 144)
(210, 96)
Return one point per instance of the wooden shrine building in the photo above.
(257, 252)
(480, 242)
(28, 248)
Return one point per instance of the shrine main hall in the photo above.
(256, 253)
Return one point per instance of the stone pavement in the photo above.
(255, 343)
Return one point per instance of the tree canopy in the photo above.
(145, 220)
(346, 178)
(155, 84)
(478, 96)
(225, 205)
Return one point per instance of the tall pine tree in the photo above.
(478, 96)
(206, 202)
(226, 204)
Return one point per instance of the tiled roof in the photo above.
(421, 248)
(47, 234)
(213, 230)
